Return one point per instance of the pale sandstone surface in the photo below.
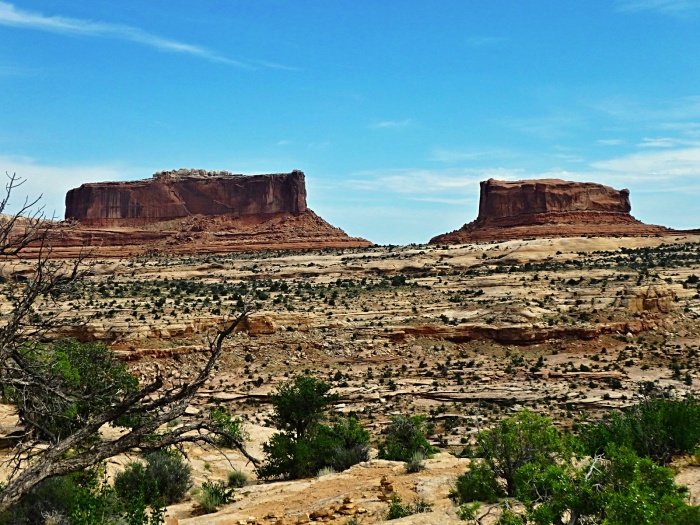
(451, 332)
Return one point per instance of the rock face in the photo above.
(177, 194)
(549, 208)
(195, 211)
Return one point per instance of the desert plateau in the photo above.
(353, 263)
(463, 334)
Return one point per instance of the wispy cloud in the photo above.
(392, 124)
(655, 165)
(666, 142)
(610, 142)
(14, 17)
(424, 183)
(634, 110)
(673, 7)
(447, 155)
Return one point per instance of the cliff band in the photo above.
(192, 211)
(549, 208)
(177, 194)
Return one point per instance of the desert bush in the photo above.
(657, 428)
(325, 471)
(416, 463)
(81, 498)
(165, 478)
(516, 441)
(237, 479)
(404, 437)
(213, 495)
(479, 483)
(398, 509)
(305, 445)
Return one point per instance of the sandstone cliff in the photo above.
(176, 194)
(195, 211)
(549, 208)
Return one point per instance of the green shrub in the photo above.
(80, 498)
(657, 428)
(89, 375)
(416, 463)
(325, 471)
(404, 437)
(398, 509)
(170, 474)
(213, 495)
(305, 445)
(229, 430)
(479, 483)
(342, 445)
(516, 441)
(166, 478)
(237, 479)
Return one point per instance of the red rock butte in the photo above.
(549, 208)
(196, 211)
(177, 194)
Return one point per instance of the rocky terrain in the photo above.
(549, 208)
(568, 327)
(194, 211)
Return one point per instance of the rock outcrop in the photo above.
(549, 208)
(195, 211)
(182, 193)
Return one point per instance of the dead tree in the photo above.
(151, 406)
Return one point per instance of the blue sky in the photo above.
(394, 109)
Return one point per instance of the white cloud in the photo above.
(633, 110)
(393, 124)
(655, 165)
(452, 155)
(425, 182)
(610, 142)
(11, 16)
(666, 142)
(51, 183)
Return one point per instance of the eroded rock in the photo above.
(549, 208)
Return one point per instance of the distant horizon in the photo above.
(394, 111)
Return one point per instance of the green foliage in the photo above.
(213, 495)
(657, 428)
(398, 509)
(343, 444)
(300, 403)
(81, 498)
(622, 489)
(508, 517)
(404, 437)
(305, 446)
(416, 463)
(479, 483)
(229, 430)
(89, 375)
(516, 441)
(166, 478)
(237, 479)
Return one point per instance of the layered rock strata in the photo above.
(178, 194)
(195, 211)
(549, 208)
